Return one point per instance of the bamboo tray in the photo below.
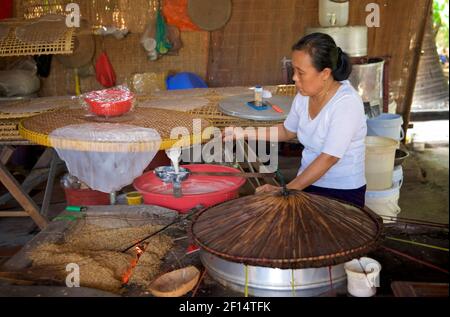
(12, 46)
(38, 128)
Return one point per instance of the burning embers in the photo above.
(126, 277)
(98, 253)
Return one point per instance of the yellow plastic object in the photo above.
(134, 198)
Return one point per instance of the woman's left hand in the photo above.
(267, 189)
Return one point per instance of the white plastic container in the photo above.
(380, 158)
(362, 277)
(333, 13)
(386, 125)
(384, 203)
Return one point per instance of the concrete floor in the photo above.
(424, 194)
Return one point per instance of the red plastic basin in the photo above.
(205, 190)
(109, 102)
(86, 197)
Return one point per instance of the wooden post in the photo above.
(414, 69)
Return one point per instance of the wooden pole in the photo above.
(414, 69)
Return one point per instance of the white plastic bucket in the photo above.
(380, 158)
(384, 203)
(363, 277)
(387, 125)
(397, 176)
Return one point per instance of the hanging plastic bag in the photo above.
(162, 44)
(176, 14)
(20, 79)
(6, 9)
(105, 72)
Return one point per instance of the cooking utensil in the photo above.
(176, 283)
(274, 107)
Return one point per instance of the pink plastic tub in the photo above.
(205, 190)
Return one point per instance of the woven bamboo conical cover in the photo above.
(296, 231)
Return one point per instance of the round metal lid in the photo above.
(236, 106)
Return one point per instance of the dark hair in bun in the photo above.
(325, 54)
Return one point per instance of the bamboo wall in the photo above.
(261, 32)
(249, 49)
(127, 55)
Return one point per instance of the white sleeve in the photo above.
(344, 124)
(292, 120)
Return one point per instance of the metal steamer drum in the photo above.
(283, 244)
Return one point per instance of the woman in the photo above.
(328, 118)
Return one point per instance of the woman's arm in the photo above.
(313, 172)
(310, 175)
(263, 134)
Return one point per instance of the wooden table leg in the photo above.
(22, 198)
(6, 153)
(50, 182)
(39, 173)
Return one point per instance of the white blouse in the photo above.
(338, 130)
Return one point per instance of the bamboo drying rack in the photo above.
(12, 46)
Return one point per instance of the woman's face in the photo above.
(308, 80)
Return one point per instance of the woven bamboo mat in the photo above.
(34, 106)
(12, 112)
(179, 104)
(38, 128)
(9, 130)
(26, 38)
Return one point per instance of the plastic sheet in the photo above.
(148, 83)
(20, 79)
(106, 171)
(175, 11)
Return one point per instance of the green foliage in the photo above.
(440, 22)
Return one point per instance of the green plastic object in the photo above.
(75, 208)
(162, 44)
